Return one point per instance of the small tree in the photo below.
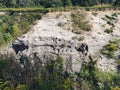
(117, 3)
(51, 3)
(67, 3)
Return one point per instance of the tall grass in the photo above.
(80, 22)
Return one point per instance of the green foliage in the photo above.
(117, 3)
(7, 37)
(115, 88)
(51, 3)
(22, 87)
(110, 23)
(2, 41)
(66, 3)
(3, 85)
(55, 3)
(13, 24)
(85, 2)
(109, 31)
(15, 30)
(115, 15)
(52, 76)
(108, 53)
(93, 79)
(105, 76)
(110, 48)
(3, 27)
(6, 86)
(111, 18)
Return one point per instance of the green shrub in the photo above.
(7, 37)
(109, 30)
(110, 23)
(3, 27)
(109, 54)
(105, 76)
(3, 85)
(110, 48)
(2, 41)
(115, 15)
(110, 17)
(15, 30)
(22, 87)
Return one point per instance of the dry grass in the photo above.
(80, 22)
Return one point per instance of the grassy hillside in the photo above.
(15, 23)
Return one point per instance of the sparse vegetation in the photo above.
(80, 38)
(115, 15)
(64, 45)
(80, 22)
(111, 17)
(109, 30)
(110, 48)
(111, 20)
(118, 61)
(94, 13)
(110, 23)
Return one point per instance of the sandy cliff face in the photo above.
(49, 38)
(52, 36)
(98, 38)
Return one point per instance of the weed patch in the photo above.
(110, 48)
(80, 22)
